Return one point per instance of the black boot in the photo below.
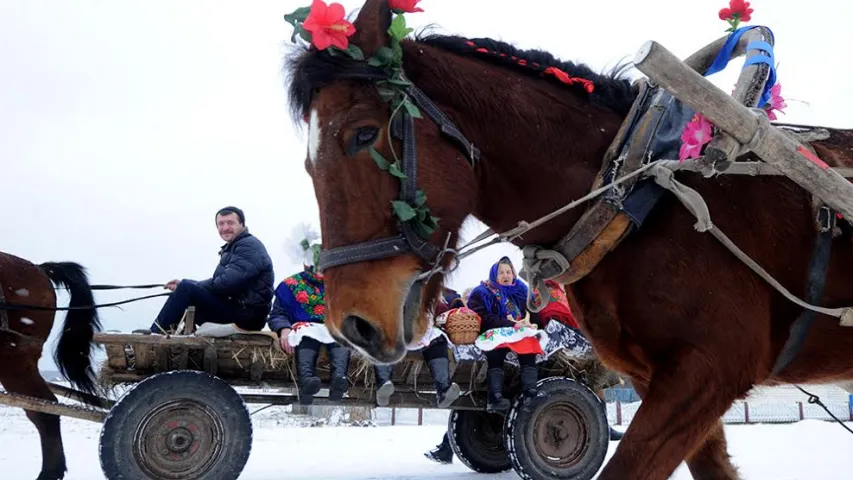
(339, 362)
(442, 453)
(446, 392)
(306, 360)
(385, 388)
(495, 382)
(529, 376)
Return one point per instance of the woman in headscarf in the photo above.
(501, 303)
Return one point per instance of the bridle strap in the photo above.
(403, 127)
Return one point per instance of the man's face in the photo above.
(229, 226)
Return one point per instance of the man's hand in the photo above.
(282, 338)
(172, 285)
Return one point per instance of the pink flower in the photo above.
(290, 281)
(776, 101)
(302, 297)
(696, 134)
(404, 6)
(328, 26)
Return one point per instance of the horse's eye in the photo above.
(364, 137)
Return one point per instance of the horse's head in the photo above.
(391, 195)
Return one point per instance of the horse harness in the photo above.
(408, 240)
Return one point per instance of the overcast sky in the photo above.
(125, 125)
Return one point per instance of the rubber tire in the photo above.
(463, 427)
(117, 442)
(521, 422)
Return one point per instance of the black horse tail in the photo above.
(73, 354)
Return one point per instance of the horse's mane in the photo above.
(310, 70)
(613, 89)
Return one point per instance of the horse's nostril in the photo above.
(361, 333)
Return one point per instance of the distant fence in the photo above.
(621, 413)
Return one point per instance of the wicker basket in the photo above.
(463, 326)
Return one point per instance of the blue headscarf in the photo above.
(503, 299)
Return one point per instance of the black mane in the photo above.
(612, 90)
(310, 70)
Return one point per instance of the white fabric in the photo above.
(317, 331)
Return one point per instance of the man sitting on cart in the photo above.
(298, 316)
(240, 290)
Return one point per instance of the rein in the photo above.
(8, 307)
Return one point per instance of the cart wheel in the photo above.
(177, 425)
(563, 435)
(477, 439)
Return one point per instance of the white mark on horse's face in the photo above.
(22, 292)
(27, 321)
(313, 136)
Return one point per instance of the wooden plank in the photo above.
(106, 338)
(116, 358)
(45, 406)
(772, 145)
(398, 400)
(72, 394)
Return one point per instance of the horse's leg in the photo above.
(712, 461)
(27, 381)
(683, 401)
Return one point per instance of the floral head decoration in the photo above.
(699, 131)
(303, 246)
(325, 28)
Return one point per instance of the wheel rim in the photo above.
(560, 435)
(178, 440)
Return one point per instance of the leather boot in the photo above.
(495, 382)
(306, 361)
(446, 392)
(529, 376)
(339, 362)
(385, 388)
(442, 453)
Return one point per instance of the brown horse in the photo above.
(693, 327)
(21, 341)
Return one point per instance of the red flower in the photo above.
(302, 297)
(289, 281)
(738, 9)
(328, 26)
(406, 6)
(319, 310)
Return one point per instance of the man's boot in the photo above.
(339, 359)
(496, 402)
(306, 361)
(446, 392)
(385, 388)
(442, 453)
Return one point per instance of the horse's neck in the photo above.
(541, 144)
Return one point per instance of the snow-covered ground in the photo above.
(805, 450)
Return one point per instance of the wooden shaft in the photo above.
(788, 156)
(72, 394)
(723, 149)
(44, 406)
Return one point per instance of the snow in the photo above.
(282, 449)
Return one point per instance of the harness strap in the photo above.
(815, 283)
(446, 126)
(358, 252)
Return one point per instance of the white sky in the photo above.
(125, 125)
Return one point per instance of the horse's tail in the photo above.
(73, 353)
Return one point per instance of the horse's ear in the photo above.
(371, 26)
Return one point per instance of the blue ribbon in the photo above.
(725, 55)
